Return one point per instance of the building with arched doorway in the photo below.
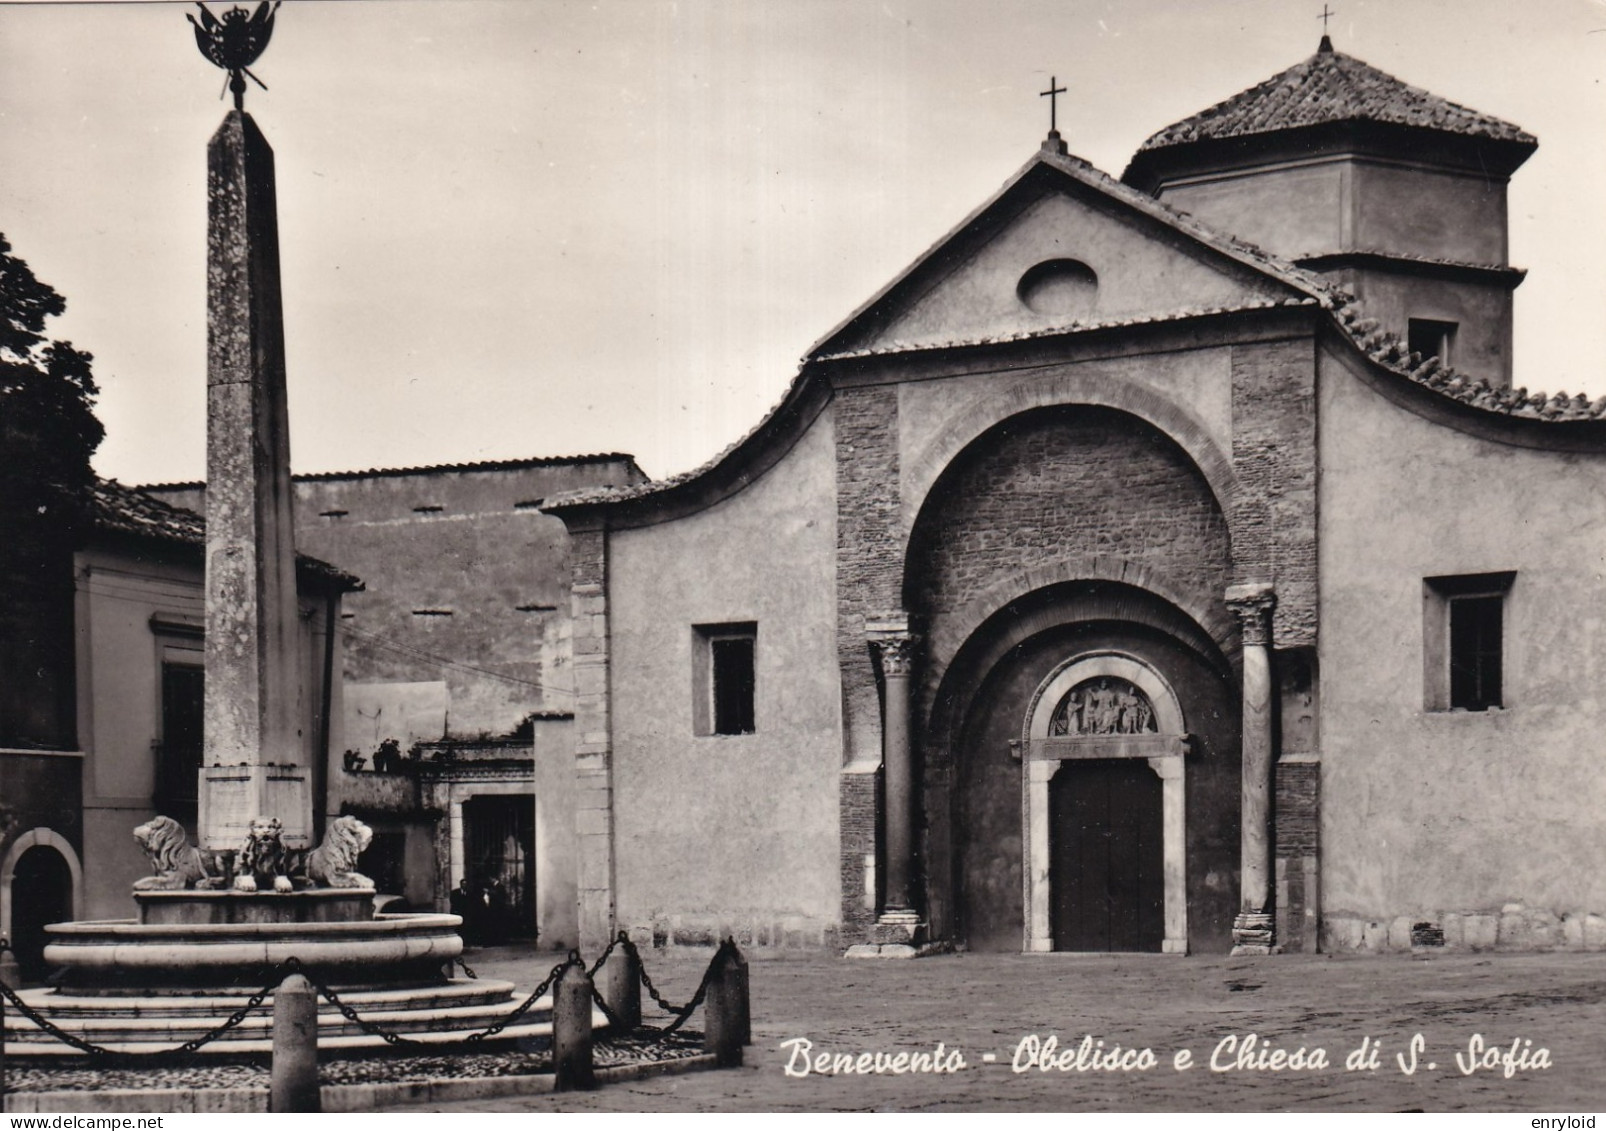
(1162, 563)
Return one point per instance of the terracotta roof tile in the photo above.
(1332, 87)
(119, 509)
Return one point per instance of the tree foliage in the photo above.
(48, 429)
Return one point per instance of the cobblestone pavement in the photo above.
(981, 1004)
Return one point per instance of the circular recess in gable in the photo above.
(1060, 288)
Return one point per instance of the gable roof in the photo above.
(1052, 159)
(1333, 87)
(119, 509)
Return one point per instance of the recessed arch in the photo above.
(34, 838)
(1214, 620)
(1061, 388)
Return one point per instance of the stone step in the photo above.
(154, 1028)
(460, 992)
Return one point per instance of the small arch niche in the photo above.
(1061, 288)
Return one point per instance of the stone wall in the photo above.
(1274, 457)
(465, 580)
(1062, 484)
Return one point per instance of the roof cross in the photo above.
(1324, 17)
(1052, 94)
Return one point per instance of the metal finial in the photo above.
(235, 42)
(1052, 94)
(1327, 43)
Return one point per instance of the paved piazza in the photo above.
(989, 1004)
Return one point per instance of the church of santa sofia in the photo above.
(1159, 564)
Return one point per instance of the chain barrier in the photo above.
(472, 1039)
(235, 1019)
(292, 965)
(680, 1013)
(467, 969)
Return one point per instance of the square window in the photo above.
(1464, 641)
(724, 682)
(1431, 338)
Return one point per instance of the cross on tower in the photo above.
(1324, 17)
(1052, 94)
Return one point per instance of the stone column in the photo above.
(889, 636)
(253, 675)
(1252, 931)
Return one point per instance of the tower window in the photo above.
(1464, 644)
(1432, 338)
(724, 678)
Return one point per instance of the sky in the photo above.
(542, 228)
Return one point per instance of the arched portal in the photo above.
(41, 893)
(995, 794)
(1104, 801)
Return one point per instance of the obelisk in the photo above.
(253, 746)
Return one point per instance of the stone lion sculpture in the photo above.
(263, 859)
(331, 863)
(176, 862)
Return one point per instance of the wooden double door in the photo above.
(1106, 856)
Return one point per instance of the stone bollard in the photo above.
(571, 1030)
(10, 972)
(722, 1010)
(744, 1008)
(621, 986)
(293, 1084)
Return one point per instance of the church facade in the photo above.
(1162, 563)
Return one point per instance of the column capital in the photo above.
(889, 636)
(1253, 604)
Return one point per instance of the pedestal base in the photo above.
(900, 927)
(1253, 934)
(898, 934)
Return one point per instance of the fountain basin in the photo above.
(125, 955)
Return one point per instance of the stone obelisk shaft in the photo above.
(252, 673)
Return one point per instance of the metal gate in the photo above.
(499, 867)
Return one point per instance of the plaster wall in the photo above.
(1349, 204)
(120, 664)
(1438, 214)
(1482, 314)
(1483, 821)
(730, 831)
(1290, 211)
(1141, 269)
(557, 853)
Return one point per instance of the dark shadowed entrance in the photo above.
(41, 893)
(499, 862)
(1105, 856)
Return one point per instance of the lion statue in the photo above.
(331, 863)
(263, 859)
(176, 862)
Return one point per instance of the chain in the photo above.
(290, 965)
(681, 1013)
(471, 1039)
(467, 969)
(621, 937)
(293, 965)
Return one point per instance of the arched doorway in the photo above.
(41, 893)
(1105, 808)
(1018, 819)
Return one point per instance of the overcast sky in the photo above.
(543, 228)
